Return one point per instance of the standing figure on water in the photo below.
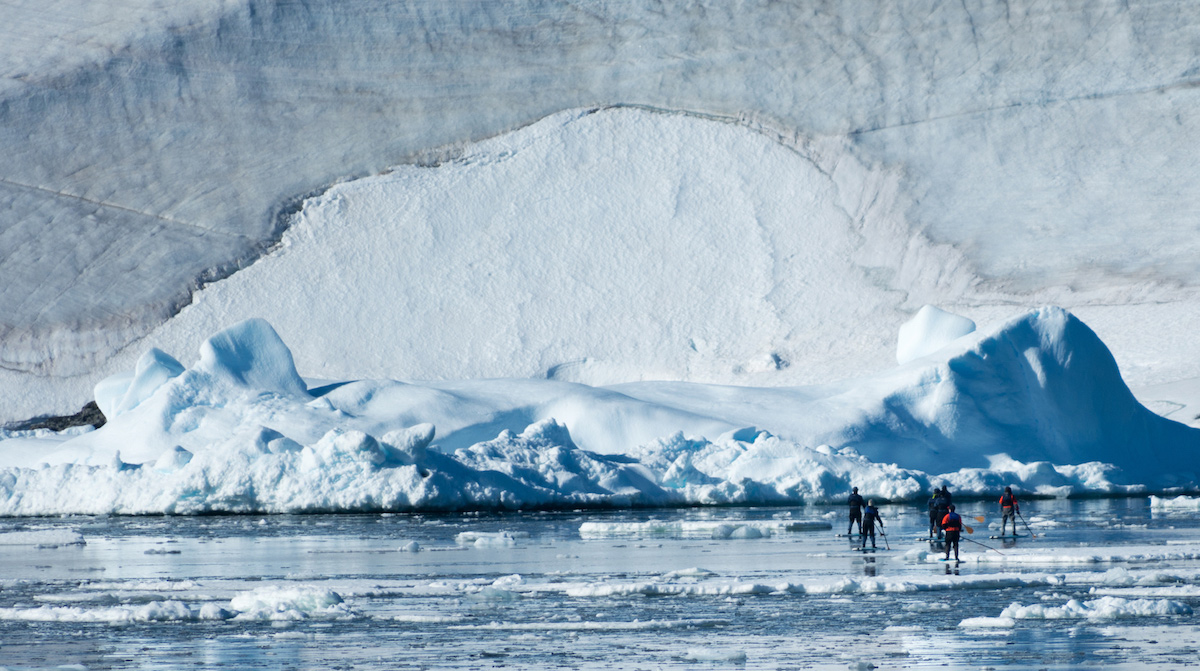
(942, 505)
(935, 520)
(856, 503)
(952, 526)
(1009, 508)
(869, 518)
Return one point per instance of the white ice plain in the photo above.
(1036, 402)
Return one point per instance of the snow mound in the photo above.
(251, 354)
(929, 331)
(121, 392)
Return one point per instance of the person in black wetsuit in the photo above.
(869, 518)
(856, 503)
(935, 521)
(1008, 510)
(941, 507)
(952, 525)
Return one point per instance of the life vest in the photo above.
(1007, 500)
(952, 522)
(871, 516)
(856, 501)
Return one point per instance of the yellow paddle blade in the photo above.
(979, 518)
(969, 529)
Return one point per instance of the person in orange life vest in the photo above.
(1008, 509)
(870, 517)
(856, 503)
(952, 526)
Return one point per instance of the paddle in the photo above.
(984, 545)
(1031, 534)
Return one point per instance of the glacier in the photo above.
(978, 157)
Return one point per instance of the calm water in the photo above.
(551, 598)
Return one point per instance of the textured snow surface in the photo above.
(1036, 403)
(971, 157)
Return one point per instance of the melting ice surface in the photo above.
(1036, 403)
(1110, 583)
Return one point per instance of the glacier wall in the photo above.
(1050, 142)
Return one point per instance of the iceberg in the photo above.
(1036, 402)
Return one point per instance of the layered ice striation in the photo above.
(1036, 403)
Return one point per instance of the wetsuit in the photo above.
(856, 503)
(941, 506)
(870, 517)
(934, 519)
(1008, 510)
(952, 526)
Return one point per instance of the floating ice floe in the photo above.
(684, 528)
(1097, 610)
(46, 538)
(484, 539)
(289, 603)
(157, 611)
(1180, 503)
(710, 655)
(273, 603)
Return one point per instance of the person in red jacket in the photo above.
(1008, 510)
(952, 526)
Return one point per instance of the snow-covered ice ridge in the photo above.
(1036, 402)
(973, 157)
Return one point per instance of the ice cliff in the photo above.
(1042, 151)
